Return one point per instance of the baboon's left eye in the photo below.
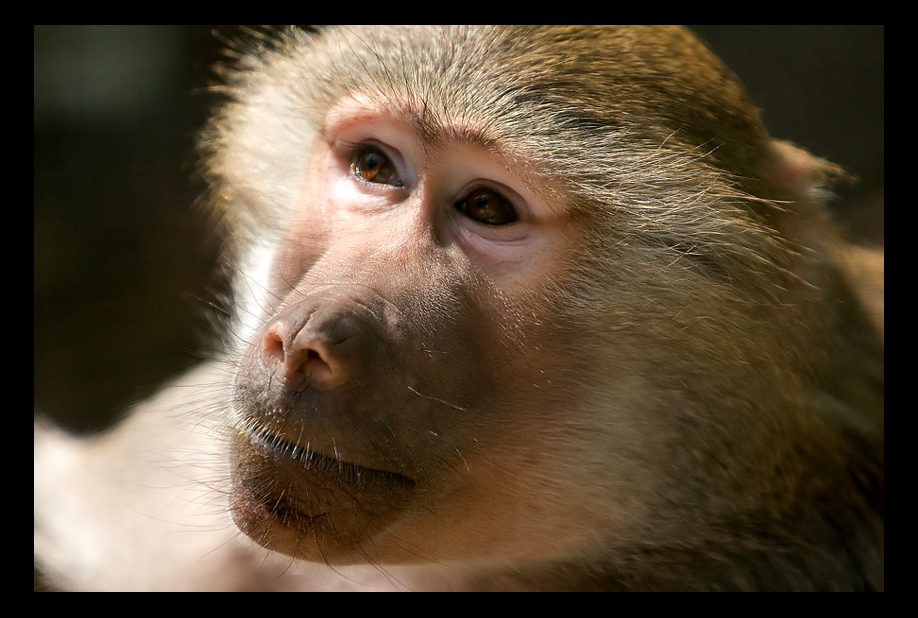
(487, 206)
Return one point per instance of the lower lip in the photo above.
(309, 505)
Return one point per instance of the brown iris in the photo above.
(370, 164)
(487, 206)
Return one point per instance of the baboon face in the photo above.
(410, 327)
(511, 280)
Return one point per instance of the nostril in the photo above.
(273, 347)
(320, 373)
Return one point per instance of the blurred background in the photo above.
(124, 261)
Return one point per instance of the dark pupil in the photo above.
(370, 166)
(488, 207)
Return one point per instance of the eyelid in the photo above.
(517, 201)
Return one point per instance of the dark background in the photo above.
(124, 262)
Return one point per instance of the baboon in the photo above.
(514, 308)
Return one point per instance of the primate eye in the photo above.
(371, 165)
(487, 206)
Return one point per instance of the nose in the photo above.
(319, 343)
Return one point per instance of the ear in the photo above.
(805, 177)
(809, 181)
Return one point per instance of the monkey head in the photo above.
(509, 291)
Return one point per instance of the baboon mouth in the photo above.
(306, 504)
(282, 449)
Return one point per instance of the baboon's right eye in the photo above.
(370, 164)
